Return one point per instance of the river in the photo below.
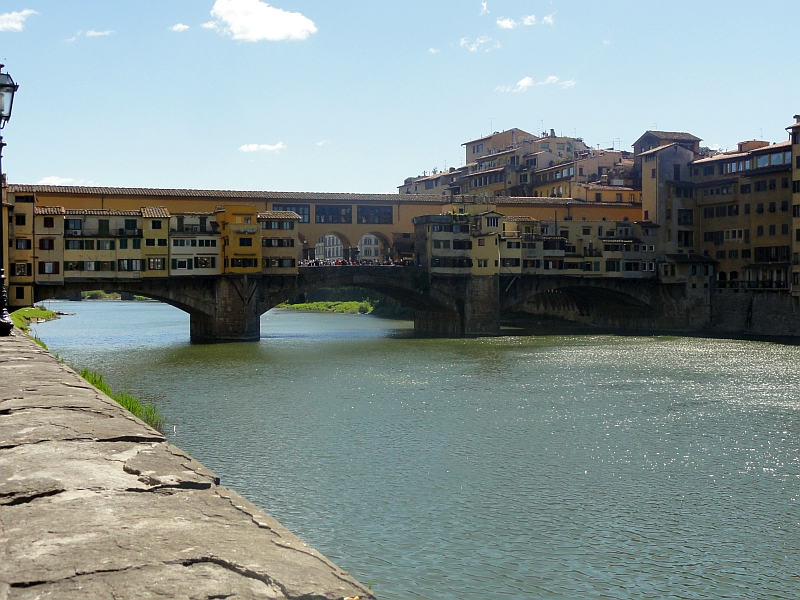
(509, 467)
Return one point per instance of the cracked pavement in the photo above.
(94, 503)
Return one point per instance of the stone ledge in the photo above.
(94, 503)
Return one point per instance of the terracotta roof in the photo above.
(103, 212)
(786, 144)
(545, 200)
(489, 156)
(158, 212)
(520, 219)
(217, 194)
(189, 213)
(672, 135)
(658, 148)
(48, 210)
(608, 188)
(720, 156)
(492, 170)
(279, 214)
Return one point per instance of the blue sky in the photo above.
(354, 96)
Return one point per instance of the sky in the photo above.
(356, 95)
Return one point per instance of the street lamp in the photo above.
(7, 90)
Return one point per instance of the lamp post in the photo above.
(7, 90)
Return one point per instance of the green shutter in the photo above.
(174, 263)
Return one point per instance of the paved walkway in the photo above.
(95, 504)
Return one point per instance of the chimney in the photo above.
(552, 133)
(797, 118)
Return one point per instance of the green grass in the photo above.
(23, 316)
(146, 412)
(350, 308)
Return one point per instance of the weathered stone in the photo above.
(94, 503)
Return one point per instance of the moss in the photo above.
(350, 308)
(146, 412)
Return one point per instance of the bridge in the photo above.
(228, 308)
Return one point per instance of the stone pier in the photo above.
(96, 504)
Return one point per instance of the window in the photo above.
(162, 241)
(784, 183)
(182, 264)
(245, 241)
(205, 262)
(73, 225)
(123, 244)
(333, 214)
(785, 206)
(760, 230)
(746, 253)
(744, 188)
(733, 254)
(685, 238)
(304, 210)
(23, 244)
(761, 186)
(653, 174)
(772, 229)
(492, 221)
(130, 224)
(374, 214)
(772, 207)
(47, 244)
(49, 223)
(785, 229)
(137, 244)
(796, 186)
(19, 293)
(19, 220)
(155, 264)
(747, 209)
(760, 208)
(22, 269)
(150, 242)
(523, 178)
(243, 262)
(105, 244)
(155, 224)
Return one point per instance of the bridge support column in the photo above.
(232, 316)
(477, 303)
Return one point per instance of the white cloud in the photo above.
(506, 23)
(74, 37)
(179, 27)
(433, 50)
(15, 21)
(527, 82)
(529, 20)
(484, 8)
(549, 19)
(55, 180)
(323, 143)
(93, 33)
(477, 45)
(262, 147)
(253, 20)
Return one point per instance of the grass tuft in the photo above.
(146, 412)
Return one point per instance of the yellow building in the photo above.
(155, 250)
(21, 253)
(794, 137)
(241, 239)
(279, 247)
(48, 239)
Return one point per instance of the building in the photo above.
(279, 247)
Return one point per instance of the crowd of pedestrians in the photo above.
(340, 262)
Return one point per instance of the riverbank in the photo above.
(23, 317)
(93, 502)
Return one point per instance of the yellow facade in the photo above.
(279, 247)
(241, 239)
(21, 254)
(155, 247)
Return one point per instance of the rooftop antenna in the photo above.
(491, 126)
(761, 133)
(616, 141)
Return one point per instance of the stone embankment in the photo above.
(95, 504)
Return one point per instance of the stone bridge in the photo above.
(229, 308)
(622, 303)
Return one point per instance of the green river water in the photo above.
(509, 467)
